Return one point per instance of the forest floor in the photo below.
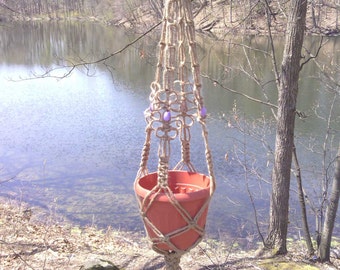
(33, 239)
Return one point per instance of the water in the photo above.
(73, 145)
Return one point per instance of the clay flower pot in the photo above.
(191, 191)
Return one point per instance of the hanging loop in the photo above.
(174, 203)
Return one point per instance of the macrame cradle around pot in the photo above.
(174, 202)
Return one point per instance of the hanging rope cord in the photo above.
(175, 102)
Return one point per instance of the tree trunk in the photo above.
(301, 196)
(326, 236)
(315, 24)
(288, 90)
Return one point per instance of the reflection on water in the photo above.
(69, 141)
(75, 143)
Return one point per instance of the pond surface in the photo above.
(73, 145)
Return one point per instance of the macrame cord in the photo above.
(175, 105)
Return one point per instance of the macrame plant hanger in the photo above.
(174, 203)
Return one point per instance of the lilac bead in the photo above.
(167, 116)
(203, 112)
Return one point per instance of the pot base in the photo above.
(170, 231)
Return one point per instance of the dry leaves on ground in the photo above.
(29, 240)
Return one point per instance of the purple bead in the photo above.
(203, 112)
(167, 116)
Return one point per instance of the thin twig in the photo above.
(239, 93)
(313, 56)
(73, 66)
(17, 254)
(7, 180)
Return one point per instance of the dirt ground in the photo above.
(32, 239)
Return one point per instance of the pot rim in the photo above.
(203, 192)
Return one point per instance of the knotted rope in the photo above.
(175, 105)
(172, 261)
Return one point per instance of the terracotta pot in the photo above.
(191, 190)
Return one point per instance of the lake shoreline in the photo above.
(33, 239)
(213, 25)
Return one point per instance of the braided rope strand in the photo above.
(175, 104)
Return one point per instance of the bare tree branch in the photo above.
(311, 56)
(7, 180)
(216, 82)
(9, 8)
(82, 63)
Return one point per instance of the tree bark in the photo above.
(288, 90)
(301, 195)
(326, 235)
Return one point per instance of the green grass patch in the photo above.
(273, 264)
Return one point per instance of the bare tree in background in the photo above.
(326, 236)
(288, 90)
(329, 198)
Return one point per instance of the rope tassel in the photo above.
(172, 261)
